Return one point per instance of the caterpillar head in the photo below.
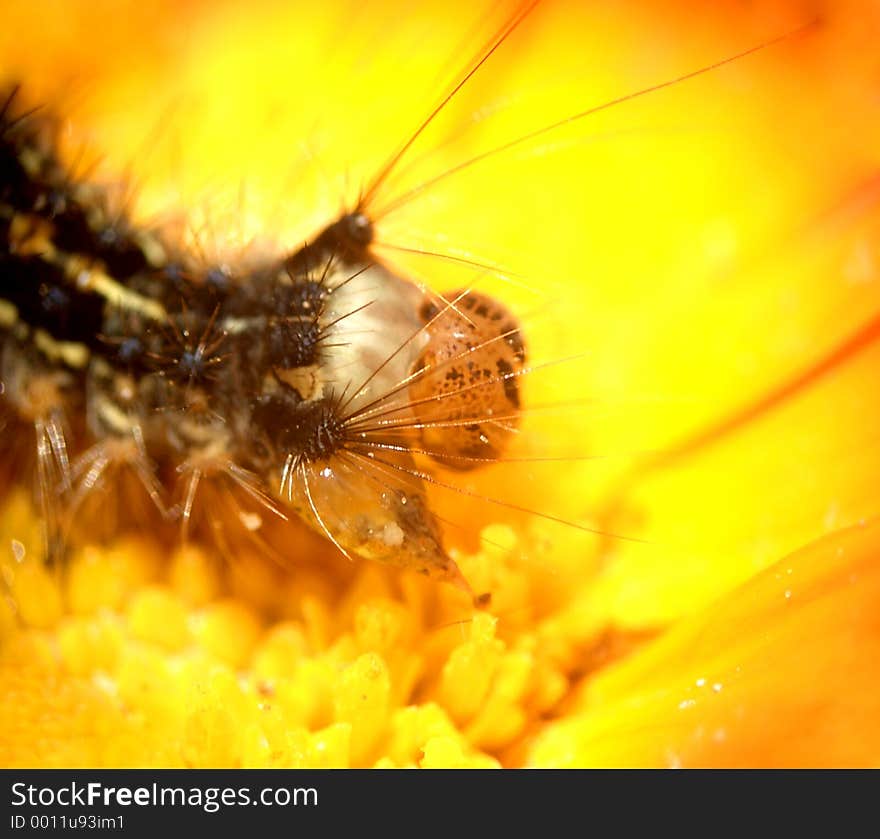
(400, 382)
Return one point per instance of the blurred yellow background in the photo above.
(676, 260)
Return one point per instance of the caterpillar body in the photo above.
(319, 380)
(248, 373)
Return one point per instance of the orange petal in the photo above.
(781, 672)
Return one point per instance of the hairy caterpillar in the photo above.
(195, 344)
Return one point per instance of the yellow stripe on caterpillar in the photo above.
(72, 354)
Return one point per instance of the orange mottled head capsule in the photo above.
(465, 391)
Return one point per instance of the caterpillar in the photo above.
(319, 379)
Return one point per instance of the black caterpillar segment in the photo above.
(44, 299)
(36, 187)
(318, 376)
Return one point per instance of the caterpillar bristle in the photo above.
(316, 379)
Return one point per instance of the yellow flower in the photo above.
(714, 246)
